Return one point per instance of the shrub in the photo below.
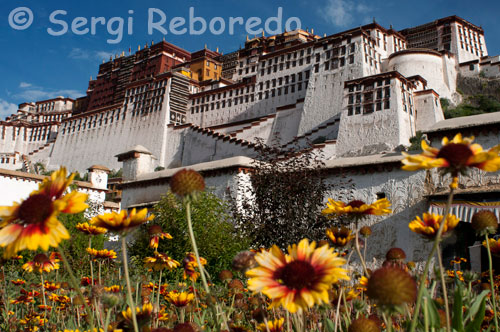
(284, 198)
(75, 247)
(217, 239)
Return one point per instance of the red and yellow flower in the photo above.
(299, 279)
(90, 229)
(113, 289)
(122, 221)
(429, 225)
(51, 286)
(356, 208)
(494, 246)
(33, 223)
(189, 263)
(156, 234)
(142, 314)
(180, 299)
(18, 282)
(340, 237)
(160, 262)
(101, 254)
(454, 156)
(41, 263)
(272, 326)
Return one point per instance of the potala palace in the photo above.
(358, 95)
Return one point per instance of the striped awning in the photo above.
(464, 210)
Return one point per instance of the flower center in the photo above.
(456, 154)
(36, 209)
(297, 275)
(41, 259)
(356, 203)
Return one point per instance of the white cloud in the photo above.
(35, 93)
(103, 55)
(80, 54)
(7, 108)
(24, 85)
(341, 13)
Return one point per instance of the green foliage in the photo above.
(477, 104)
(445, 103)
(217, 239)
(416, 141)
(115, 174)
(75, 247)
(79, 177)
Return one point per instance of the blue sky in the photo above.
(35, 65)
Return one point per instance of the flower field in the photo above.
(322, 285)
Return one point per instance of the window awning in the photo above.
(464, 210)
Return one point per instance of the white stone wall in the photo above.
(78, 149)
(428, 110)
(378, 131)
(468, 44)
(439, 70)
(16, 189)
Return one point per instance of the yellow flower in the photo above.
(339, 236)
(357, 208)
(160, 262)
(189, 263)
(429, 226)
(454, 156)
(101, 254)
(18, 282)
(299, 279)
(90, 229)
(41, 263)
(113, 289)
(363, 283)
(494, 246)
(180, 299)
(142, 314)
(272, 326)
(120, 222)
(33, 223)
(156, 234)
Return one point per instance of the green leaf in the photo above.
(476, 305)
(330, 325)
(457, 321)
(432, 310)
(475, 325)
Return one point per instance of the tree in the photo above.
(285, 197)
(218, 240)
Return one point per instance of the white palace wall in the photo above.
(112, 132)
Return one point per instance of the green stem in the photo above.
(426, 315)
(195, 247)
(158, 298)
(337, 313)
(108, 318)
(493, 295)
(445, 292)
(358, 251)
(202, 273)
(388, 322)
(43, 293)
(75, 285)
(129, 289)
(91, 267)
(428, 262)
